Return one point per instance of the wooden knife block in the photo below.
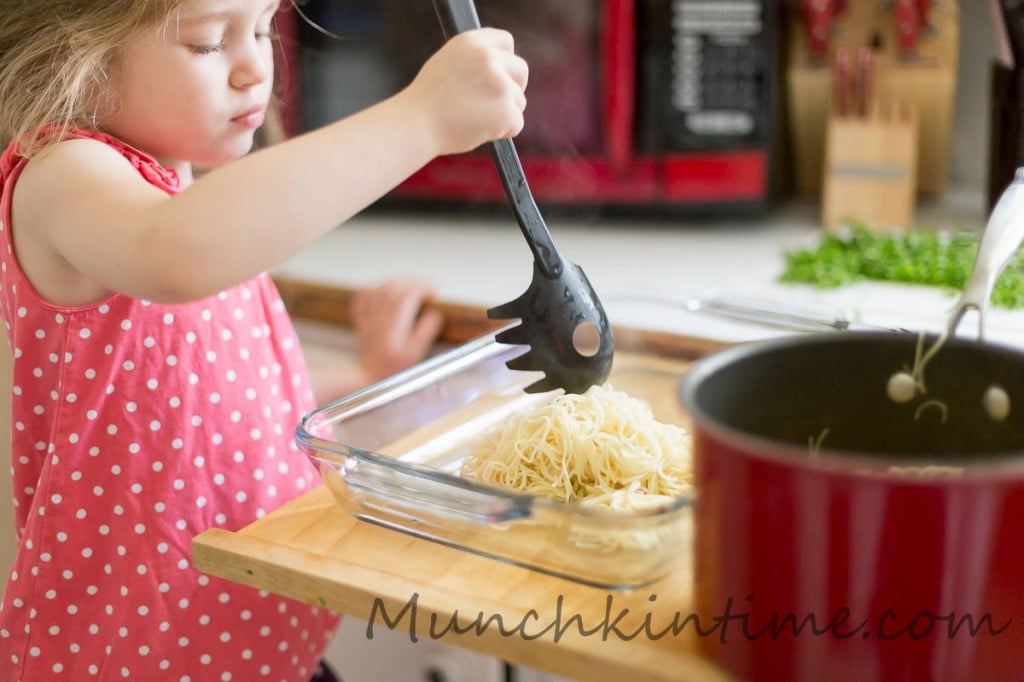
(928, 82)
(870, 168)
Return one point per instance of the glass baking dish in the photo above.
(391, 455)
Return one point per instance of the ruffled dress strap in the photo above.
(150, 169)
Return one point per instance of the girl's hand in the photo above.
(395, 329)
(472, 89)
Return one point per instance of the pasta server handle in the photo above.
(561, 319)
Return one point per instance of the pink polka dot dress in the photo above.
(135, 427)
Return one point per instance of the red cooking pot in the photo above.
(841, 535)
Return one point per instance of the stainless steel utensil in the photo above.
(786, 315)
(561, 319)
(999, 242)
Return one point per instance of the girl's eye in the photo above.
(207, 49)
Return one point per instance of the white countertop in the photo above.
(483, 260)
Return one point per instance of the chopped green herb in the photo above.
(920, 256)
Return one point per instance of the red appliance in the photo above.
(659, 103)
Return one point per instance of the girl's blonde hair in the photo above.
(55, 58)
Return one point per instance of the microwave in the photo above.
(631, 103)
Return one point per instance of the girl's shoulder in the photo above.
(66, 205)
(89, 153)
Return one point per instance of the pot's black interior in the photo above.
(795, 388)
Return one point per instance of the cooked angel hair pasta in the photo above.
(601, 448)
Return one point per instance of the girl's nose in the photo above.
(253, 65)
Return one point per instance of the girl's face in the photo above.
(194, 91)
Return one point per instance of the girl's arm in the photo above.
(87, 224)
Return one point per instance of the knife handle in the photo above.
(924, 13)
(818, 22)
(906, 28)
(865, 58)
(841, 77)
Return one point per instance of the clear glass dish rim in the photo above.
(449, 360)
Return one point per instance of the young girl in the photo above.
(157, 378)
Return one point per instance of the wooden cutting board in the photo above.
(313, 551)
